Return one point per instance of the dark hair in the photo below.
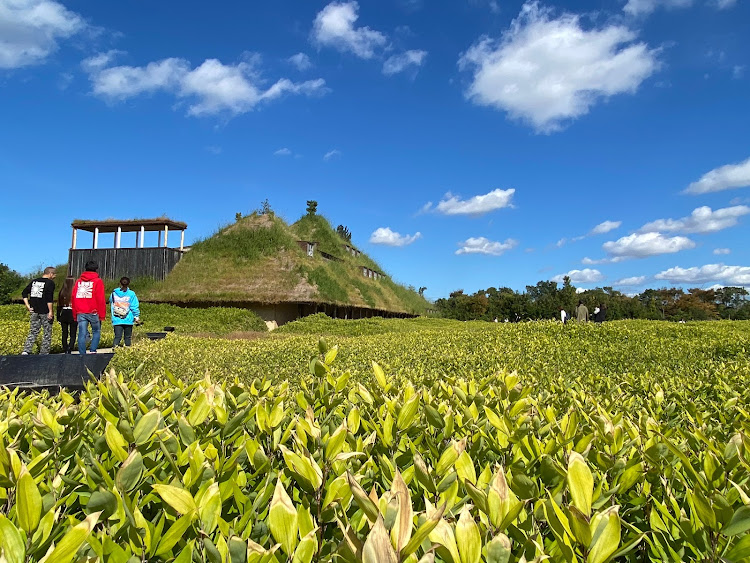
(124, 280)
(49, 269)
(91, 266)
(66, 292)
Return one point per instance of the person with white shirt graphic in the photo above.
(89, 306)
(38, 297)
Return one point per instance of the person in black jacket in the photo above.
(601, 313)
(38, 297)
(65, 315)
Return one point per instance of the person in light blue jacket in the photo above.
(125, 312)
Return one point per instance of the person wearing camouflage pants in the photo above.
(39, 321)
(38, 298)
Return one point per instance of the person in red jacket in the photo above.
(89, 306)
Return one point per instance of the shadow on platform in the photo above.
(51, 371)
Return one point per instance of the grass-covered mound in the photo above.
(257, 260)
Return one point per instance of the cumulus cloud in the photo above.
(641, 245)
(301, 61)
(335, 26)
(211, 88)
(335, 153)
(611, 260)
(475, 206)
(727, 177)
(605, 227)
(30, 30)
(546, 70)
(644, 7)
(634, 280)
(404, 61)
(587, 275)
(731, 275)
(283, 152)
(387, 237)
(722, 251)
(701, 220)
(482, 245)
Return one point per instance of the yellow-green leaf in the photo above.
(11, 542)
(179, 499)
(66, 549)
(282, 519)
(378, 548)
(468, 538)
(580, 483)
(606, 535)
(28, 502)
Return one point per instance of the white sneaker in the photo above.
(24, 353)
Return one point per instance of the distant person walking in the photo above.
(38, 297)
(125, 312)
(600, 314)
(563, 315)
(89, 306)
(582, 313)
(65, 315)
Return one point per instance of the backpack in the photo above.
(119, 310)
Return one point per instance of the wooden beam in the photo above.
(75, 238)
(143, 234)
(118, 237)
(182, 239)
(166, 235)
(96, 238)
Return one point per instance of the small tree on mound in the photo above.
(344, 233)
(312, 207)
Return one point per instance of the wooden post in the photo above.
(75, 238)
(182, 239)
(96, 238)
(166, 234)
(158, 239)
(143, 235)
(118, 237)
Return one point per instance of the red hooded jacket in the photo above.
(88, 296)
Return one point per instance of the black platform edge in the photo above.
(51, 371)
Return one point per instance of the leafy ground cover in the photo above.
(465, 442)
(14, 324)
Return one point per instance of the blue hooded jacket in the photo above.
(126, 299)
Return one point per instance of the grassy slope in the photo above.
(257, 259)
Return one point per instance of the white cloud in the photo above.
(30, 30)
(732, 275)
(387, 237)
(580, 289)
(475, 206)
(560, 243)
(301, 61)
(212, 87)
(726, 177)
(283, 152)
(725, 4)
(641, 245)
(334, 26)
(722, 251)
(214, 149)
(635, 280)
(701, 220)
(612, 260)
(587, 275)
(738, 71)
(482, 245)
(547, 70)
(605, 227)
(404, 61)
(335, 153)
(644, 7)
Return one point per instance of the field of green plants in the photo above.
(14, 324)
(392, 441)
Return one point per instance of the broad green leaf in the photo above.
(740, 550)
(209, 509)
(11, 541)
(146, 427)
(130, 473)
(282, 520)
(117, 444)
(468, 538)
(28, 502)
(66, 549)
(580, 483)
(179, 499)
(401, 530)
(380, 376)
(606, 535)
(306, 549)
(175, 533)
(739, 523)
(498, 550)
(199, 411)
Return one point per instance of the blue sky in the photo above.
(465, 144)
